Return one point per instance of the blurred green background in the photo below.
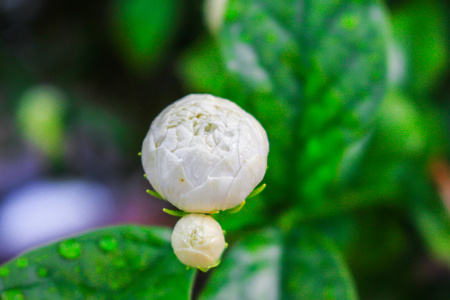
(80, 83)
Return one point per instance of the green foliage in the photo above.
(291, 55)
(420, 29)
(430, 216)
(202, 69)
(124, 262)
(143, 29)
(266, 265)
(370, 240)
(41, 119)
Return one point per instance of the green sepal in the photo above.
(153, 193)
(236, 209)
(210, 267)
(175, 213)
(256, 191)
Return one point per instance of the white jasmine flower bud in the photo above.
(204, 153)
(214, 14)
(198, 241)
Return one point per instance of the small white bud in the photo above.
(204, 153)
(214, 14)
(198, 241)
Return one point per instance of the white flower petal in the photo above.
(209, 196)
(248, 177)
(195, 149)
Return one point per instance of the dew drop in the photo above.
(22, 263)
(42, 272)
(4, 271)
(13, 294)
(108, 244)
(70, 249)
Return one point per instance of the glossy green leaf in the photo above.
(266, 265)
(421, 55)
(124, 262)
(315, 72)
(143, 29)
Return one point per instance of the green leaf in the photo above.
(431, 217)
(202, 69)
(124, 262)
(315, 72)
(314, 269)
(408, 134)
(423, 44)
(40, 116)
(410, 129)
(265, 265)
(142, 30)
(253, 214)
(371, 240)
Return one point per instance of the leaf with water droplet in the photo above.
(22, 262)
(108, 244)
(70, 249)
(4, 271)
(42, 272)
(12, 294)
(123, 262)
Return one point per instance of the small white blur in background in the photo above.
(46, 210)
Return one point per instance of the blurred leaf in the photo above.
(202, 69)
(410, 129)
(314, 268)
(314, 72)
(40, 114)
(408, 134)
(125, 262)
(143, 29)
(249, 270)
(370, 240)
(421, 27)
(253, 213)
(263, 265)
(430, 216)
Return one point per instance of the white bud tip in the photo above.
(198, 241)
(214, 14)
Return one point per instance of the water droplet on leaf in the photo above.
(70, 249)
(22, 263)
(42, 272)
(4, 271)
(13, 294)
(109, 244)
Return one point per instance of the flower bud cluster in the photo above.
(203, 154)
